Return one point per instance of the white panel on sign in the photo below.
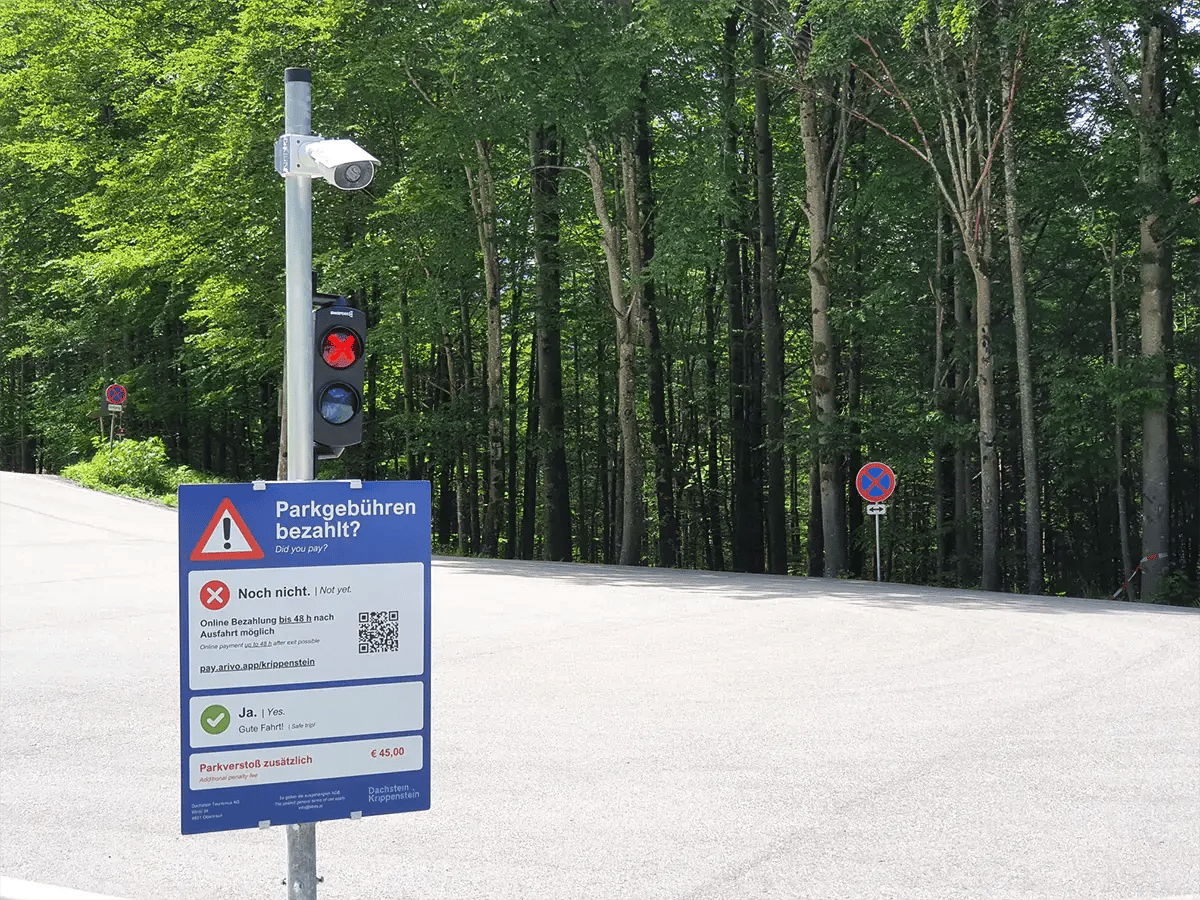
(222, 720)
(251, 627)
(304, 762)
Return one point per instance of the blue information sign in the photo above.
(304, 651)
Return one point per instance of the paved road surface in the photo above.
(610, 733)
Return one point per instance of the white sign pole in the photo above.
(878, 563)
(876, 511)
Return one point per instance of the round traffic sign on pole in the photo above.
(116, 393)
(875, 482)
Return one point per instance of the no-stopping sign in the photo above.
(875, 482)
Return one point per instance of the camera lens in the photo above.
(353, 176)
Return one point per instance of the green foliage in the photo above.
(1176, 589)
(956, 17)
(142, 243)
(134, 469)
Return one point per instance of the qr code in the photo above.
(379, 632)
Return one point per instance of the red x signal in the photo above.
(340, 349)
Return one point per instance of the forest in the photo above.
(647, 281)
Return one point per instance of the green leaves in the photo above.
(957, 18)
(134, 469)
(141, 231)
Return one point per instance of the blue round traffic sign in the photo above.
(115, 393)
(875, 482)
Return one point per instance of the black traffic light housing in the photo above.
(340, 341)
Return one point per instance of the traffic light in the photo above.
(339, 334)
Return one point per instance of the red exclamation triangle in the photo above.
(213, 547)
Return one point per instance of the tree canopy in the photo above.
(648, 280)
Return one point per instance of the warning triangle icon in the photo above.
(226, 537)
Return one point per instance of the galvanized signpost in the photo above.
(113, 403)
(304, 608)
(290, 162)
(297, 214)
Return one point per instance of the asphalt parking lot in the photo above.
(600, 732)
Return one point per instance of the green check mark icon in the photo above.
(214, 719)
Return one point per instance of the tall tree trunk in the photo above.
(546, 159)
(484, 202)
(627, 317)
(413, 468)
(943, 452)
(461, 503)
(776, 512)
(816, 542)
(607, 504)
(822, 160)
(745, 507)
(447, 501)
(717, 552)
(824, 126)
(1155, 301)
(660, 435)
(368, 300)
(630, 328)
(853, 516)
(989, 461)
(964, 376)
(752, 402)
(969, 131)
(585, 505)
(529, 501)
(1033, 488)
(1118, 430)
(281, 469)
(514, 342)
(469, 495)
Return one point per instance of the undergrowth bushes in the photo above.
(135, 469)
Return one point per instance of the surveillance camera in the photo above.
(343, 163)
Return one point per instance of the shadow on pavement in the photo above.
(794, 587)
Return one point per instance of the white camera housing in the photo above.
(339, 161)
(343, 163)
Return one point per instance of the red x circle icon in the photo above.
(214, 595)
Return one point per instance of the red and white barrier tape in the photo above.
(1145, 559)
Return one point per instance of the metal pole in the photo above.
(302, 861)
(878, 566)
(297, 119)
